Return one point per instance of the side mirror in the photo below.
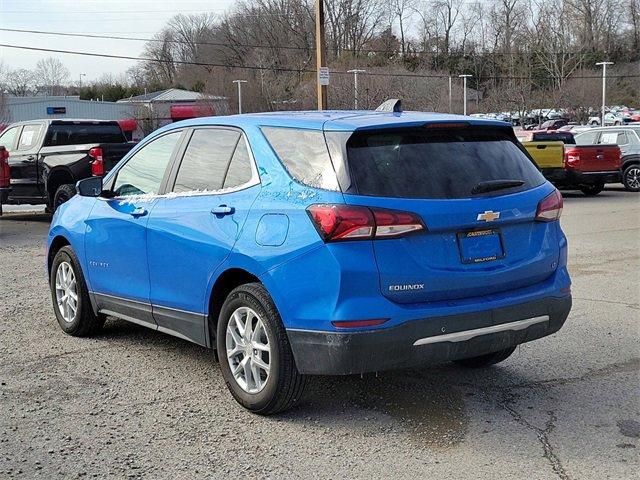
(89, 187)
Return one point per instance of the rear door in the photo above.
(475, 244)
(23, 161)
(192, 230)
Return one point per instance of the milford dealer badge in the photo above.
(488, 216)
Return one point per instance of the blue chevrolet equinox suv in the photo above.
(318, 243)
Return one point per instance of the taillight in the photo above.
(5, 170)
(571, 158)
(336, 222)
(97, 164)
(550, 207)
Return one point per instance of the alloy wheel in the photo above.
(633, 177)
(66, 292)
(248, 350)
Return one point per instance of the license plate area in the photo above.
(478, 246)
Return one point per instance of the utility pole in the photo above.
(450, 96)
(239, 82)
(355, 72)
(82, 75)
(464, 95)
(320, 54)
(604, 86)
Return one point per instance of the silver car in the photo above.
(627, 137)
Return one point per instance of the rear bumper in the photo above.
(427, 341)
(581, 178)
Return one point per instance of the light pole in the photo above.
(239, 82)
(450, 96)
(82, 75)
(464, 95)
(355, 72)
(604, 86)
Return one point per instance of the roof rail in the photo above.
(392, 105)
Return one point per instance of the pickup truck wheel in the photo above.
(592, 190)
(486, 360)
(631, 178)
(63, 193)
(255, 356)
(70, 296)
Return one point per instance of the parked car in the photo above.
(569, 166)
(305, 243)
(554, 124)
(628, 139)
(609, 119)
(47, 157)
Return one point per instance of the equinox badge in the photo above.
(415, 286)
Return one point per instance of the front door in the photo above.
(194, 228)
(116, 238)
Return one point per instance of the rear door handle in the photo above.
(139, 212)
(222, 210)
(541, 147)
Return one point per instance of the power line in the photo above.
(291, 70)
(284, 47)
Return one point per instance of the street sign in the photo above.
(323, 76)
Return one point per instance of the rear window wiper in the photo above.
(493, 185)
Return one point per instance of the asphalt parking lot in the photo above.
(132, 402)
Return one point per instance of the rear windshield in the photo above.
(438, 163)
(566, 138)
(81, 133)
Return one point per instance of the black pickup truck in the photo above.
(47, 158)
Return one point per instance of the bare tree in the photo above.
(20, 82)
(51, 75)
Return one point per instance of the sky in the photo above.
(132, 18)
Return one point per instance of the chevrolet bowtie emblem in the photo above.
(488, 216)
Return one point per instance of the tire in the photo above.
(63, 194)
(486, 360)
(631, 178)
(83, 322)
(594, 123)
(592, 190)
(283, 385)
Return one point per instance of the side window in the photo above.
(143, 172)
(622, 139)
(305, 155)
(608, 138)
(206, 160)
(8, 138)
(586, 138)
(29, 137)
(239, 171)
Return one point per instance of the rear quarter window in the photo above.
(304, 154)
(442, 163)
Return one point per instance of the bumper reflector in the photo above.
(359, 323)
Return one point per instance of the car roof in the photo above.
(49, 121)
(338, 120)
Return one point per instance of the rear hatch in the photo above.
(479, 239)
